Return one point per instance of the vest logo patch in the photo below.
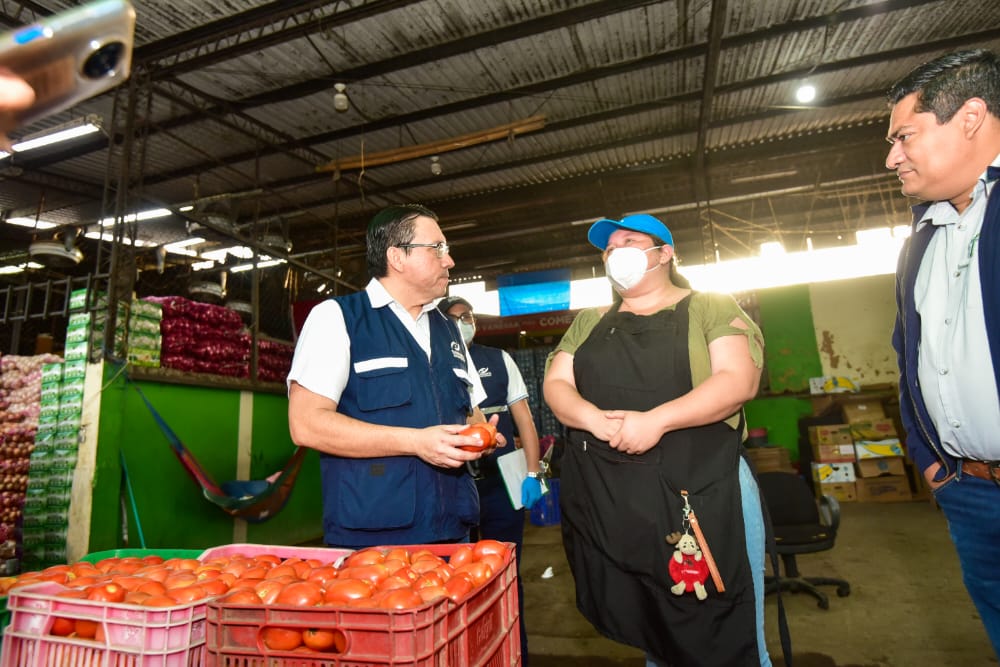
(456, 351)
(485, 372)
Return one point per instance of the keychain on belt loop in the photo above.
(690, 518)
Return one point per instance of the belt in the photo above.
(988, 470)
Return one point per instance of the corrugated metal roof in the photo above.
(235, 111)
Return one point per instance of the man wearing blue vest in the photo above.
(506, 397)
(945, 137)
(381, 384)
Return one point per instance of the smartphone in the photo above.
(71, 56)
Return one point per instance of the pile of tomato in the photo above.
(390, 578)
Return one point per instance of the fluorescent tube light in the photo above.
(181, 247)
(76, 128)
(151, 214)
(31, 222)
(110, 238)
(18, 268)
(260, 265)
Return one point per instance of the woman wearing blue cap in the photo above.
(651, 391)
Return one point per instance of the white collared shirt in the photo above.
(955, 369)
(323, 351)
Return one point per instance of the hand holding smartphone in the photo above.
(64, 59)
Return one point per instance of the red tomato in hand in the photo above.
(481, 433)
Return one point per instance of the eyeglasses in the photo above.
(466, 317)
(440, 248)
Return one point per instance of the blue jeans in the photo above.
(753, 525)
(972, 507)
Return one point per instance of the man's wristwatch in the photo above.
(535, 475)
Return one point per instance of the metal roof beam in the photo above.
(252, 30)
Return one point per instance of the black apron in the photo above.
(617, 509)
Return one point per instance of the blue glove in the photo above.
(531, 492)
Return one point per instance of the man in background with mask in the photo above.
(506, 396)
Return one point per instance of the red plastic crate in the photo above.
(135, 636)
(482, 631)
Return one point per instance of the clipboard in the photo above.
(514, 470)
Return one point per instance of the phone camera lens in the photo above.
(103, 61)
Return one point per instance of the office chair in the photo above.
(800, 526)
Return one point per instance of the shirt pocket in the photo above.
(383, 383)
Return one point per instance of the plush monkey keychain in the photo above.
(692, 560)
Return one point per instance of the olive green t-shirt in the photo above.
(710, 315)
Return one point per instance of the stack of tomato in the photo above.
(375, 578)
(389, 578)
(153, 581)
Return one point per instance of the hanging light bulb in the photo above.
(435, 165)
(340, 101)
(805, 93)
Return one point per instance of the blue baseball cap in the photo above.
(602, 230)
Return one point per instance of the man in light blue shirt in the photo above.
(945, 137)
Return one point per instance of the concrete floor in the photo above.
(907, 607)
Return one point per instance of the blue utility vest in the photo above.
(398, 499)
(493, 374)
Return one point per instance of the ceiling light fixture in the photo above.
(181, 247)
(58, 252)
(340, 101)
(435, 165)
(151, 214)
(278, 241)
(71, 130)
(18, 268)
(110, 238)
(30, 222)
(260, 265)
(806, 93)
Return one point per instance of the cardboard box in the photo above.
(831, 434)
(889, 489)
(874, 449)
(874, 429)
(831, 473)
(845, 492)
(860, 411)
(769, 459)
(881, 466)
(833, 453)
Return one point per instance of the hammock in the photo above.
(251, 500)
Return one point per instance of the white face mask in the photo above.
(468, 331)
(625, 267)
